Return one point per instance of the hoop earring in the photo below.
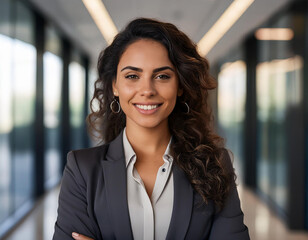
(188, 109)
(111, 106)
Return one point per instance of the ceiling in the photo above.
(194, 17)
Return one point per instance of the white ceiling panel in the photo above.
(194, 17)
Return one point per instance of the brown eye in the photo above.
(163, 76)
(131, 76)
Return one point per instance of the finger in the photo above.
(79, 236)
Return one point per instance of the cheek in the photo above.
(170, 92)
(125, 92)
(171, 97)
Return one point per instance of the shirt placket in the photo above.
(148, 215)
(160, 181)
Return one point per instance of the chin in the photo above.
(149, 124)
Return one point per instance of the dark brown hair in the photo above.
(196, 148)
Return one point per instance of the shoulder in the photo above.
(86, 161)
(88, 154)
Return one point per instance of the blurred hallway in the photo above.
(258, 56)
(262, 223)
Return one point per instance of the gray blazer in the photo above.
(93, 201)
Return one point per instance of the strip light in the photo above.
(101, 18)
(275, 34)
(222, 25)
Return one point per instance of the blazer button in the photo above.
(164, 169)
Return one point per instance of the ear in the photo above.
(180, 92)
(114, 88)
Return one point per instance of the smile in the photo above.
(147, 107)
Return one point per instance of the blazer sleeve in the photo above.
(72, 210)
(228, 223)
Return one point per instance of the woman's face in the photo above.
(146, 84)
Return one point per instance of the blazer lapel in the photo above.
(115, 177)
(182, 205)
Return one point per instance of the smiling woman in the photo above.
(162, 172)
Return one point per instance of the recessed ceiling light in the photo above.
(102, 19)
(222, 25)
(274, 34)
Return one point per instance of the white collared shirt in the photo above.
(150, 217)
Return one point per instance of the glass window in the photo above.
(92, 78)
(53, 72)
(231, 108)
(95, 105)
(278, 87)
(77, 102)
(279, 82)
(24, 86)
(6, 115)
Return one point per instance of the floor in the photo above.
(262, 223)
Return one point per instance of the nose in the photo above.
(147, 88)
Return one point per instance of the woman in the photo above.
(162, 173)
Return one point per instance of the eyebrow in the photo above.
(154, 71)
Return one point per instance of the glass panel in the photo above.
(53, 73)
(5, 21)
(231, 108)
(76, 103)
(24, 80)
(278, 82)
(278, 88)
(95, 104)
(6, 120)
(92, 78)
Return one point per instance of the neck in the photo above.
(148, 141)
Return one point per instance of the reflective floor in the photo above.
(262, 223)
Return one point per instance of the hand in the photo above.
(79, 236)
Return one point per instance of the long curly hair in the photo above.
(196, 149)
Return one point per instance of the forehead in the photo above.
(145, 52)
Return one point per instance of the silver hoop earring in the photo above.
(111, 106)
(188, 109)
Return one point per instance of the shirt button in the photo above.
(164, 169)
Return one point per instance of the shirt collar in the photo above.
(130, 153)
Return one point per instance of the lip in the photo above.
(147, 112)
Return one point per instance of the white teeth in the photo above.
(146, 107)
